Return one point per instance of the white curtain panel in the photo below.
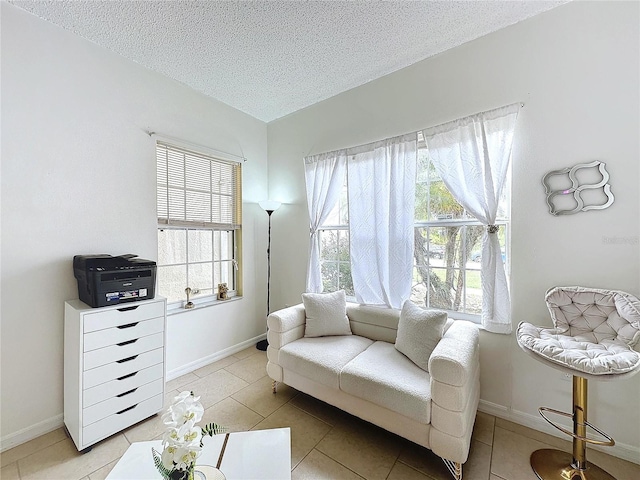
(382, 182)
(472, 157)
(324, 176)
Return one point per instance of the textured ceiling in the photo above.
(271, 58)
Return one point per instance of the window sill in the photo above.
(469, 317)
(178, 307)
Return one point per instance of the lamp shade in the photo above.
(269, 205)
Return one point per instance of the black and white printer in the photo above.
(107, 280)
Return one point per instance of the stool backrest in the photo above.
(593, 315)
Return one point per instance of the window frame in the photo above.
(503, 222)
(233, 227)
(338, 262)
(342, 212)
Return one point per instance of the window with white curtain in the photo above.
(447, 245)
(428, 218)
(334, 247)
(199, 208)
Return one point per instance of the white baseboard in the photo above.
(29, 433)
(620, 450)
(204, 361)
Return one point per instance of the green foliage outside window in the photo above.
(336, 266)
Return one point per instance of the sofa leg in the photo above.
(454, 467)
(273, 386)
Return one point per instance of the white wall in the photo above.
(78, 177)
(576, 68)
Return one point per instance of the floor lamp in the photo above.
(268, 206)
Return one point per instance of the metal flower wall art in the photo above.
(580, 188)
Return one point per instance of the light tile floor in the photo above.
(326, 443)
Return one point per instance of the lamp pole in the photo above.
(268, 206)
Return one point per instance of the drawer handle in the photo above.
(128, 309)
(127, 393)
(127, 376)
(128, 342)
(128, 325)
(127, 359)
(127, 409)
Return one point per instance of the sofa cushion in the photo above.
(419, 331)
(374, 322)
(386, 377)
(322, 358)
(326, 314)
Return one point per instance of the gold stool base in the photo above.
(549, 464)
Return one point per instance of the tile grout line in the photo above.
(428, 477)
(493, 440)
(331, 427)
(230, 397)
(40, 449)
(308, 413)
(247, 406)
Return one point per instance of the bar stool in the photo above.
(592, 339)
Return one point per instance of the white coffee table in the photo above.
(258, 454)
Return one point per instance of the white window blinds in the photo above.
(196, 190)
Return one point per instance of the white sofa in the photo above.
(365, 375)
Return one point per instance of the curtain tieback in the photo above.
(493, 228)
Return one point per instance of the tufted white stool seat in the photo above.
(593, 335)
(594, 332)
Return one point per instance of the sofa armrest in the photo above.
(453, 361)
(286, 325)
(455, 390)
(287, 318)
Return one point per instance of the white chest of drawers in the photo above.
(114, 367)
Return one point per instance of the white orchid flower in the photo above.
(167, 457)
(190, 434)
(170, 437)
(186, 407)
(181, 396)
(194, 409)
(185, 411)
(182, 439)
(181, 459)
(184, 458)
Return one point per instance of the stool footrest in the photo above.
(609, 442)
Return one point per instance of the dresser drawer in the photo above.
(121, 402)
(122, 352)
(122, 333)
(115, 370)
(106, 390)
(122, 316)
(118, 421)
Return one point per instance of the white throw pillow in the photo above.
(419, 331)
(326, 314)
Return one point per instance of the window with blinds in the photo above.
(196, 190)
(199, 208)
